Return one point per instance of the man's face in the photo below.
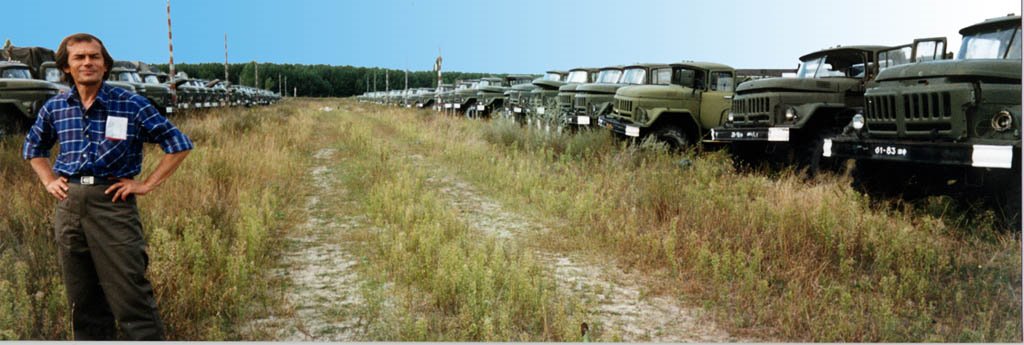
(85, 62)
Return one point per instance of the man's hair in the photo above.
(62, 55)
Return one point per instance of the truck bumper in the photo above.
(620, 127)
(950, 154)
(763, 134)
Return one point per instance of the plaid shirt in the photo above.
(84, 148)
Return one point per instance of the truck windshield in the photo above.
(1003, 43)
(553, 76)
(128, 77)
(52, 75)
(15, 73)
(152, 79)
(633, 76)
(577, 77)
(831, 66)
(609, 76)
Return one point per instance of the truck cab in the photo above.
(682, 103)
(595, 99)
(784, 120)
(944, 126)
(21, 96)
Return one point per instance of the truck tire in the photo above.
(808, 154)
(674, 136)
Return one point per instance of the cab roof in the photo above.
(12, 64)
(588, 69)
(860, 48)
(647, 65)
(991, 23)
(701, 65)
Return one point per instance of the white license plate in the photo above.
(480, 108)
(778, 134)
(583, 120)
(517, 109)
(170, 110)
(447, 106)
(888, 150)
(199, 105)
(207, 104)
(992, 156)
(457, 106)
(540, 110)
(632, 131)
(185, 105)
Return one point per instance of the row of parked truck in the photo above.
(915, 120)
(29, 77)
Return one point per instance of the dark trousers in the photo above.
(103, 259)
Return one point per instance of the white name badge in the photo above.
(117, 128)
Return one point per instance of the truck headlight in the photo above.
(641, 115)
(857, 122)
(790, 114)
(731, 117)
(1002, 122)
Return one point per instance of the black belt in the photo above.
(92, 180)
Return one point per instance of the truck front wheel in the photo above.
(674, 136)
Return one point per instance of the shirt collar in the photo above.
(101, 97)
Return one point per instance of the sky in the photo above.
(522, 36)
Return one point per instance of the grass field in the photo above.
(775, 258)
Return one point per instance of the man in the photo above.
(100, 129)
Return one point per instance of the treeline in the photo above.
(318, 80)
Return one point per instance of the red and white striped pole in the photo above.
(170, 47)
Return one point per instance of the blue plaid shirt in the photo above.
(84, 147)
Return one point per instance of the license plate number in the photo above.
(889, 150)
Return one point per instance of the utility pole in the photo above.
(257, 81)
(226, 80)
(170, 48)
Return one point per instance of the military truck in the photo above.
(783, 121)
(552, 110)
(595, 99)
(48, 71)
(549, 105)
(684, 101)
(945, 127)
(157, 94)
(541, 96)
(519, 96)
(21, 96)
(453, 100)
(439, 93)
(491, 97)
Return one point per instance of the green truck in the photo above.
(684, 101)
(542, 96)
(945, 127)
(783, 121)
(491, 95)
(595, 99)
(21, 96)
(549, 105)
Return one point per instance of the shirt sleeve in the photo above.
(40, 137)
(157, 129)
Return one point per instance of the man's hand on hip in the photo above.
(58, 187)
(126, 187)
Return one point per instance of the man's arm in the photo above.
(168, 164)
(56, 186)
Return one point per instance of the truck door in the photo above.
(716, 101)
(928, 49)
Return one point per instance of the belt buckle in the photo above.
(88, 180)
